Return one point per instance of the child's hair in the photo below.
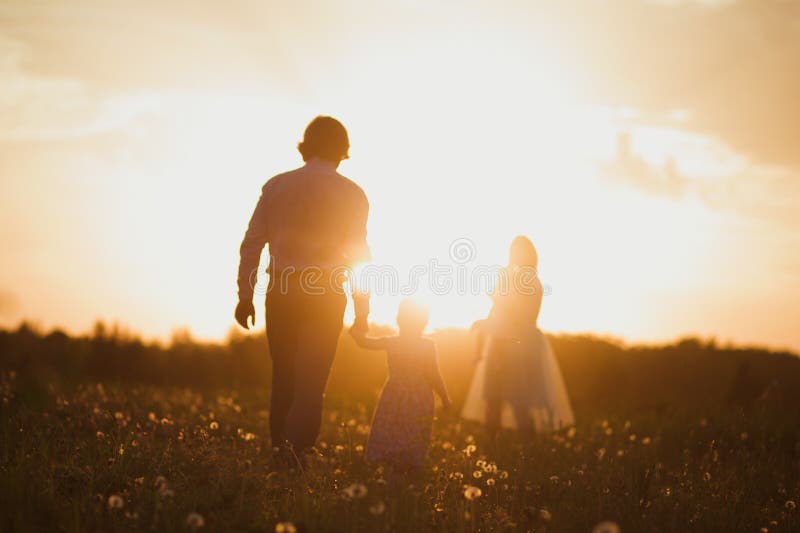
(412, 316)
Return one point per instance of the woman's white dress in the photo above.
(532, 383)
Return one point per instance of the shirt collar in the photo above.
(321, 163)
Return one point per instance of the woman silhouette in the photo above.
(517, 382)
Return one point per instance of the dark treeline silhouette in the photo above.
(604, 377)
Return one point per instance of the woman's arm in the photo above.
(435, 378)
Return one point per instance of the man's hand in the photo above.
(245, 314)
(359, 327)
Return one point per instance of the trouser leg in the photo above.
(317, 338)
(281, 335)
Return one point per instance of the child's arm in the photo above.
(435, 379)
(369, 343)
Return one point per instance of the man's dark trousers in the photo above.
(303, 328)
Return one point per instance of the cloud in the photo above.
(768, 193)
(38, 108)
(735, 67)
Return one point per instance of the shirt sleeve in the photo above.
(357, 247)
(255, 238)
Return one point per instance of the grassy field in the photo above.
(114, 454)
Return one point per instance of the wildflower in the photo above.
(554, 479)
(214, 425)
(472, 493)
(457, 475)
(606, 527)
(503, 474)
(620, 453)
(545, 515)
(490, 482)
(115, 501)
(447, 446)
(152, 417)
(480, 463)
(609, 431)
(646, 441)
(477, 474)
(632, 437)
(160, 484)
(118, 415)
(791, 505)
(600, 454)
(356, 491)
(100, 434)
(359, 448)
(195, 521)
(438, 507)
(707, 476)
(571, 432)
(377, 508)
(285, 527)
(139, 480)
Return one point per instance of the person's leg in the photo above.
(494, 407)
(282, 340)
(317, 337)
(524, 420)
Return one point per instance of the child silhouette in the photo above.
(401, 425)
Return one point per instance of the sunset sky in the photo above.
(650, 149)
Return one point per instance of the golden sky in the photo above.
(650, 149)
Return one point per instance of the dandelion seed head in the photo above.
(472, 493)
(606, 526)
(195, 520)
(115, 501)
(356, 491)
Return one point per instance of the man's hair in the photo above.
(326, 138)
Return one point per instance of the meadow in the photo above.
(108, 433)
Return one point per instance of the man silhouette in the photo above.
(314, 220)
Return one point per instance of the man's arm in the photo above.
(358, 252)
(250, 250)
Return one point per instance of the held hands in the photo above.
(245, 314)
(359, 327)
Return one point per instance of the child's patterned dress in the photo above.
(401, 425)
